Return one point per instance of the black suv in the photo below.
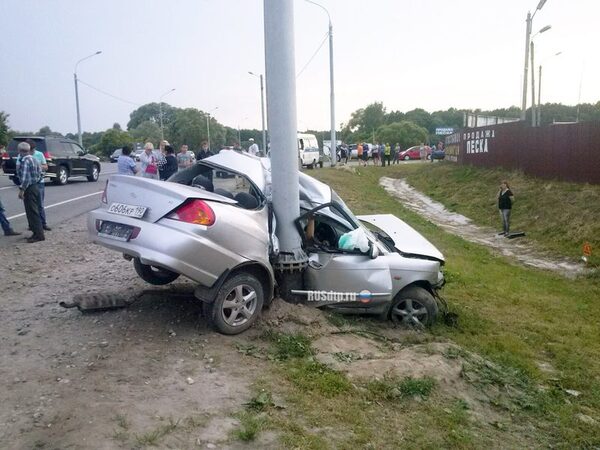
(65, 159)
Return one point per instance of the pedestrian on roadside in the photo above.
(397, 150)
(170, 167)
(253, 149)
(204, 152)
(359, 154)
(375, 154)
(41, 159)
(505, 201)
(149, 162)
(29, 191)
(387, 152)
(184, 159)
(422, 152)
(365, 154)
(8, 231)
(125, 163)
(344, 153)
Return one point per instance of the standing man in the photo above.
(204, 152)
(29, 174)
(388, 154)
(253, 149)
(423, 152)
(397, 150)
(184, 160)
(125, 163)
(8, 231)
(41, 159)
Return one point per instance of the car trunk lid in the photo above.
(406, 239)
(159, 197)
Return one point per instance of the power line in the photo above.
(108, 93)
(314, 54)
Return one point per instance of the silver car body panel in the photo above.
(406, 238)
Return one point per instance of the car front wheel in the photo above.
(237, 304)
(154, 275)
(414, 306)
(95, 173)
(406, 158)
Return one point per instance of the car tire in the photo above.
(413, 306)
(95, 173)
(241, 289)
(154, 275)
(406, 158)
(62, 176)
(320, 164)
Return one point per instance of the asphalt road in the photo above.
(62, 203)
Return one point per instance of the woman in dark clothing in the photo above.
(170, 167)
(505, 200)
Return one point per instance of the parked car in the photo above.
(414, 153)
(115, 155)
(65, 159)
(308, 151)
(354, 150)
(222, 236)
(138, 153)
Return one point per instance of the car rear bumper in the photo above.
(169, 244)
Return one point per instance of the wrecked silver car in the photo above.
(214, 224)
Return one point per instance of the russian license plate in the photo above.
(127, 210)
(117, 231)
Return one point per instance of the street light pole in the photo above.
(333, 144)
(160, 102)
(529, 22)
(77, 95)
(262, 111)
(533, 108)
(539, 113)
(208, 124)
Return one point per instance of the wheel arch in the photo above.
(263, 275)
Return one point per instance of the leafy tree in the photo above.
(363, 122)
(3, 128)
(405, 133)
(151, 112)
(46, 131)
(146, 131)
(189, 127)
(111, 140)
(419, 117)
(117, 126)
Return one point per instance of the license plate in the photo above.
(117, 231)
(127, 210)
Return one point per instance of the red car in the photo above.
(414, 153)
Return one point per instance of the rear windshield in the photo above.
(40, 144)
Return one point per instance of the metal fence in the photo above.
(568, 152)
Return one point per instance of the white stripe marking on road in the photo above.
(78, 176)
(7, 187)
(60, 203)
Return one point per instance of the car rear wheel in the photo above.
(95, 173)
(62, 176)
(237, 304)
(414, 306)
(406, 158)
(154, 275)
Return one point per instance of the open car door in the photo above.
(346, 278)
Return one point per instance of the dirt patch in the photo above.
(515, 250)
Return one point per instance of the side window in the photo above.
(58, 148)
(75, 148)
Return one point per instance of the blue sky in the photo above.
(432, 54)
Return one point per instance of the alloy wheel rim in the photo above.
(410, 312)
(239, 305)
(63, 176)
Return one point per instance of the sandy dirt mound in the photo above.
(462, 226)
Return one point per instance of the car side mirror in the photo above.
(373, 251)
(80, 153)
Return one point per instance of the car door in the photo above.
(78, 163)
(347, 274)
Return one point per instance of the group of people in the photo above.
(31, 167)
(380, 153)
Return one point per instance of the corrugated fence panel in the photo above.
(569, 152)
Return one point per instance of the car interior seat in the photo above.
(246, 200)
(200, 181)
(223, 192)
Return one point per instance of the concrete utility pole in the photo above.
(281, 111)
(533, 121)
(80, 139)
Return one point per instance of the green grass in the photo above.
(287, 346)
(391, 388)
(517, 317)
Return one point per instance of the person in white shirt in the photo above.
(253, 149)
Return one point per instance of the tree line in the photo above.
(368, 124)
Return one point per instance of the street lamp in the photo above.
(208, 124)
(262, 112)
(539, 112)
(333, 145)
(77, 95)
(160, 102)
(527, 41)
(533, 111)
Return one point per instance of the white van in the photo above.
(308, 150)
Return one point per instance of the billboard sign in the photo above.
(444, 131)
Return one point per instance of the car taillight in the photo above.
(4, 155)
(48, 156)
(194, 211)
(104, 199)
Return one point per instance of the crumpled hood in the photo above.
(406, 238)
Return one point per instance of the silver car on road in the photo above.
(214, 224)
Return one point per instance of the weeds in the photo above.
(391, 388)
(250, 425)
(288, 346)
(152, 437)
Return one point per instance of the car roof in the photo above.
(250, 165)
